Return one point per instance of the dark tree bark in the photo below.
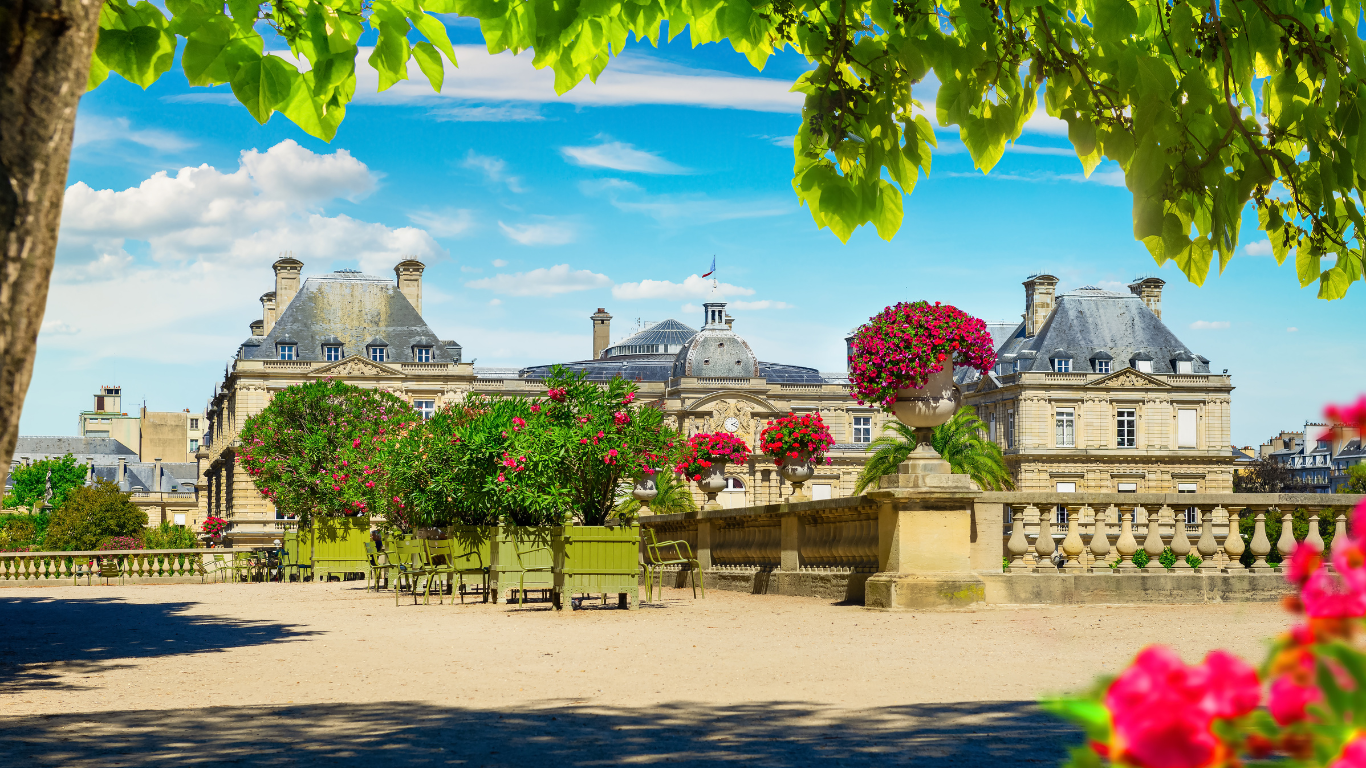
(45, 50)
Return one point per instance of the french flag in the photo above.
(713, 267)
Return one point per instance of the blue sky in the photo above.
(532, 210)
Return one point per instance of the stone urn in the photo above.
(713, 482)
(645, 490)
(928, 407)
(797, 471)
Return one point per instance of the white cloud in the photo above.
(628, 79)
(1292, 329)
(58, 328)
(779, 141)
(445, 223)
(495, 302)
(1113, 285)
(1209, 325)
(542, 282)
(620, 157)
(499, 263)
(545, 233)
(693, 287)
(764, 304)
(271, 203)
(688, 209)
(494, 169)
(94, 129)
(1258, 248)
(503, 113)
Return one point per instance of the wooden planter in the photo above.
(506, 570)
(335, 545)
(596, 560)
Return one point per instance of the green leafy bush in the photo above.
(167, 536)
(91, 513)
(1247, 526)
(22, 532)
(31, 482)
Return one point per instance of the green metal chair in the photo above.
(438, 559)
(379, 565)
(521, 556)
(471, 561)
(405, 558)
(294, 559)
(655, 562)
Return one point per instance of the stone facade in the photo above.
(1094, 393)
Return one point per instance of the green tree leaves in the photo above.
(1206, 107)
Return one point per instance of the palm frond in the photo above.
(961, 441)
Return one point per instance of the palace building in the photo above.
(1093, 392)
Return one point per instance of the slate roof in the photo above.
(357, 309)
(1352, 449)
(100, 449)
(175, 476)
(1087, 322)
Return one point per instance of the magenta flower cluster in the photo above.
(707, 448)
(902, 346)
(792, 436)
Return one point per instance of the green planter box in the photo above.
(596, 560)
(335, 545)
(507, 569)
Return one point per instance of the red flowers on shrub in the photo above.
(214, 526)
(900, 347)
(792, 436)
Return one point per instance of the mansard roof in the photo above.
(354, 310)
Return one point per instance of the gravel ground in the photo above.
(329, 674)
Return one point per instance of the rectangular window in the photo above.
(1010, 429)
(820, 491)
(1185, 366)
(194, 446)
(1144, 366)
(332, 353)
(1192, 516)
(286, 351)
(194, 423)
(1185, 428)
(425, 407)
(1065, 428)
(1102, 366)
(1126, 428)
(863, 429)
(1127, 487)
(1187, 487)
(991, 428)
(1061, 365)
(422, 354)
(377, 354)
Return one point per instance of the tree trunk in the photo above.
(45, 50)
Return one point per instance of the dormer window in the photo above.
(1102, 366)
(332, 352)
(1062, 365)
(1143, 366)
(377, 354)
(287, 351)
(1185, 366)
(422, 354)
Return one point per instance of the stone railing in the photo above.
(133, 563)
(1044, 532)
(962, 538)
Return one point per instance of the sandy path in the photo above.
(266, 673)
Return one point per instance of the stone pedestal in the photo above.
(924, 538)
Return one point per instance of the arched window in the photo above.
(734, 484)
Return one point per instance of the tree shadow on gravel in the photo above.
(45, 637)
(404, 733)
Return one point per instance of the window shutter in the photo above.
(1185, 428)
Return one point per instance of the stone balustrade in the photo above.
(134, 563)
(1081, 554)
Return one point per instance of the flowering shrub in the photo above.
(793, 436)
(902, 346)
(109, 543)
(214, 526)
(1160, 713)
(707, 448)
(315, 449)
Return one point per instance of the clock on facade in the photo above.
(731, 424)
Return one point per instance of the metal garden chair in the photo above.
(438, 559)
(656, 560)
(521, 555)
(380, 565)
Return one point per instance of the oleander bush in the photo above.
(168, 536)
(89, 515)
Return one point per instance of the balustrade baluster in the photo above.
(1152, 542)
(1207, 547)
(1100, 544)
(1181, 543)
(1071, 543)
(1126, 546)
(1043, 547)
(1031, 514)
(1286, 543)
(1314, 539)
(1233, 544)
(1018, 544)
(1261, 545)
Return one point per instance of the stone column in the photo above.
(704, 545)
(924, 538)
(789, 536)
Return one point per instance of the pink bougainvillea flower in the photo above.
(1289, 699)
(1353, 755)
(1163, 710)
(1304, 561)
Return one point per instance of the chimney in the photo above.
(1039, 291)
(409, 275)
(268, 314)
(1150, 290)
(730, 321)
(287, 270)
(602, 332)
(123, 473)
(156, 475)
(258, 328)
